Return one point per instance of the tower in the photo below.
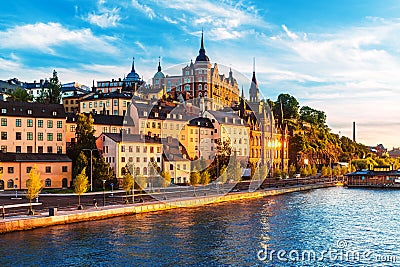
(254, 92)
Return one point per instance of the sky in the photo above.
(342, 57)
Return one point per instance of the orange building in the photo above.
(55, 170)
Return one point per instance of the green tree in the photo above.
(127, 184)
(288, 105)
(194, 179)
(314, 170)
(54, 90)
(205, 177)
(308, 170)
(19, 95)
(166, 178)
(277, 173)
(101, 171)
(81, 185)
(292, 171)
(34, 186)
(304, 172)
(84, 132)
(312, 116)
(80, 163)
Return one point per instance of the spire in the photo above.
(254, 80)
(133, 65)
(242, 93)
(159, 64)
(202, 52)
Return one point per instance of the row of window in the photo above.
(29, 149)
(107, 104)
(29, 123)
(29, 111)
(28, 169)
(29, 136)
(130, 149)
(10, 183)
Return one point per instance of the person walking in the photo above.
(95, 203)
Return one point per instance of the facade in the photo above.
(35, 88)
(137, 150)
(55, 170)
(114, 103)
(175, 160)
(229, 127)
(32, 128)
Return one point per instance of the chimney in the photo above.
(354, 131)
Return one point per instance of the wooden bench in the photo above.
(4, 207)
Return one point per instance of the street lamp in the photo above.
(91, 166)
(104, 192)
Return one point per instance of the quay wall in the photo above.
(10, 225)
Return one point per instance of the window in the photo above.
(40, 136)
(29, 149)
(30, 111)
(47, 182)
(59, 136)
(49, 137)
(90, 104)
(29, 136)
(59, 124)
(115, 102)
(137, 159)
(3, 110)
(10, 183)
(64, 168)
(48, 169)
(40, 149)
(49, 149)
(95, 104)
(122, 159)
(72, 128)
(122, 148)
(3, 122)
(28, 169)
(158, 149)
(29, 123)
(40, 123)
(18, 136)
(145, 149)
(18, 123)
(3, 135)
(59, 150)
(4, 149)
(138, 149)
(151, 149)
(114, 129)
(144, 159)
(171, 167)
(84, 105)
(49, 124)
(10, 169)
(18, 149)
(54, 113)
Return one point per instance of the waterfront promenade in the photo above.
(24, 222)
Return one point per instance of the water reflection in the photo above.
(220, 235)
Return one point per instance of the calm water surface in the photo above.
(342, 227)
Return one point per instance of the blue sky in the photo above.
(342, 57)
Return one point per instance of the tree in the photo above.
(19, 95)
(288, 105)
(54, 90)
(205, 177)
(34, 186)
(194, 179)
(292, 171)
(277, 173)
(312, 116)
(141, 181)
(166, 178)
(101, 171)
(304, 172)
(223, 178)
(308, 170)
(81, 185)
(127, 184)
(84, 132)
(80, 163)
(314, 170)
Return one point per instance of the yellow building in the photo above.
(114, 103)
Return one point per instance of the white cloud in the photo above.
(46, 36)
(290, 34)
(10, 64)
(106, 18)
(169, 20)
(144, 8)
(141, 46)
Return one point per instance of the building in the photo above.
(129, 84)
(199, 80)
(228, 126)
(379, 176)
(55, 170)
(32, 127)
(9, 86)
(35, 89)
(138, 150)
(114, 103)
(175, 160)
(394, 153)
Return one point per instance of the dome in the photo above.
(159, 74)
(132, 76)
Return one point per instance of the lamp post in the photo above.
(133, 184)
(104, 192)
(91, 166)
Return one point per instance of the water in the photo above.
(334, 221)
